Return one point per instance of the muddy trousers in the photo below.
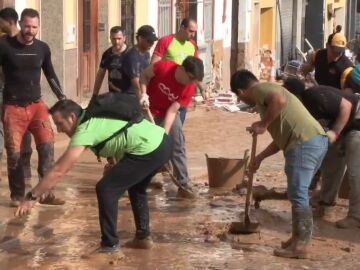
(132, 173)
(16, 168)
(333, 169)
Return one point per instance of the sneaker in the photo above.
(186, 192)
(136, 243)
(51, 200)
(324, 212)
(348, 222)
(105, 249)
(106, 254)
(188, 186)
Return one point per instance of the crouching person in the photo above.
(299, 136)
(140, 152)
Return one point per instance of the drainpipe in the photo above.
(281, 32)
(234, 37)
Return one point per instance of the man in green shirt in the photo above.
(299, 136)
(140, 152)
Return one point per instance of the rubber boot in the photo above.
(46, 160)
(302, 231)
(15, 176)
(287, 243)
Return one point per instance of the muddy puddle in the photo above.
(188, 234)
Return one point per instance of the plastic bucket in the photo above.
(225, 172)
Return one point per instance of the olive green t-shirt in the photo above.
(294, 125)
(141, 139)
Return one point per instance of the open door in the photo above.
(88, 46)
(314, 23)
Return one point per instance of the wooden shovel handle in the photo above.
(251, 177)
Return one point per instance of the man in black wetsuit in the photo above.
(22, 57)
(8, 26)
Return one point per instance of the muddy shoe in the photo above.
(348, 222)
(146, 243)
(186, 192)
(287, 243)
(51, 200)
(324, 212)
(109, 254)
(297, 250)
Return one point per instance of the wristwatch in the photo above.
(30, 197)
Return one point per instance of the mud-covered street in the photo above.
(188, 234)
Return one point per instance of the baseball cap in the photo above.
(337, 41)
(148, 32)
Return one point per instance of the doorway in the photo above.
(88, 46)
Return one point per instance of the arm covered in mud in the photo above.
(270, 150)
(51, 178)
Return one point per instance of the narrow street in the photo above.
(188, 234)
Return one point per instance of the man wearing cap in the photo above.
(137, 59)
(331, 64)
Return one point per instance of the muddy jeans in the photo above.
(179, 155)
(333, 170)
(17, 119)
(301, 164)
(132, 173)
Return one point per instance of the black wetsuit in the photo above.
(22, 66)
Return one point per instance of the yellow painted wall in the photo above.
(70, 24)
(330, 22)
(266, 3)
(141, 13)
(267, 24)
(266, 29)
(114, 13)
(35, 4)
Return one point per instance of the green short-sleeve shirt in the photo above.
(294, 125)
(142, 138)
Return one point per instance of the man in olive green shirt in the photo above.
(140, 152)
(299, 136)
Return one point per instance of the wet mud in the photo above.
(187, 234)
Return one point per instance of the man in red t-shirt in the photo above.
(176, 48)
(164, 89)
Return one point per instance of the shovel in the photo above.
(247, 226)
(185, 193)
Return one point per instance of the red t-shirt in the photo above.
(164, 90)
